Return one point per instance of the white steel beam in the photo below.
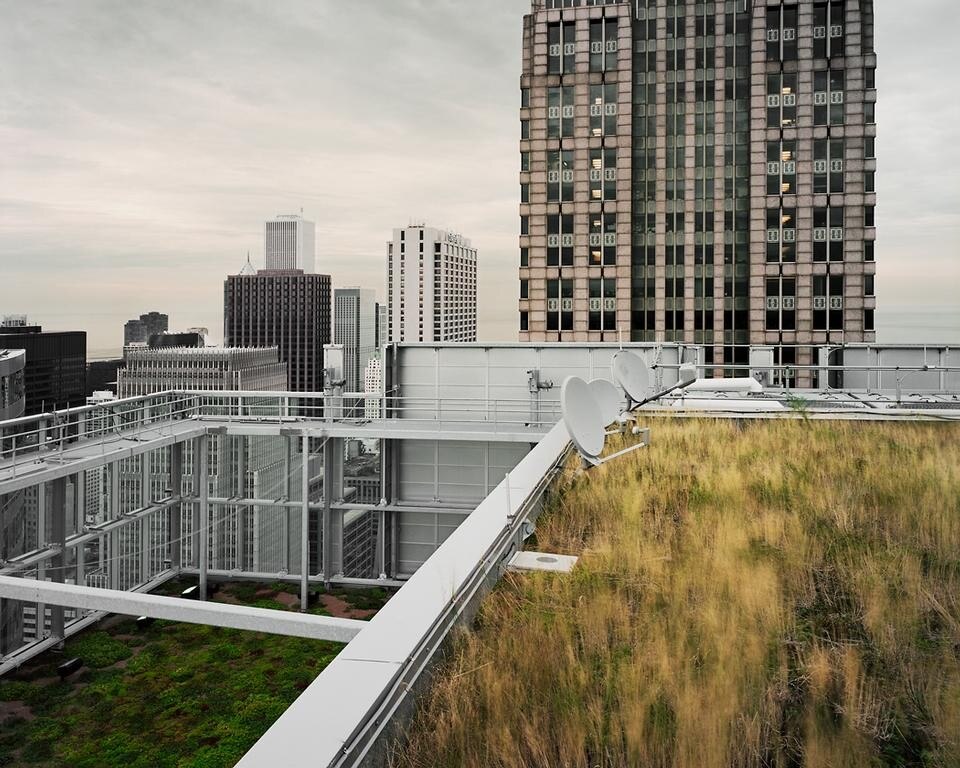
(276, 622)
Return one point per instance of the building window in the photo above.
(828, 97)
(560, 112)
(603, 239)
(868, 250)
(870, 181)
(868, 281)
(524, 194)
(828, 234)
(560, 240)
(781, 167)
(870, 77)
(561, 48)
(869, 148)
(868, 320)
(524, 225)
(781, 234)
(524, 161)
(781, 100)
(827, 165)
(828, 302)
(603, 174)
(781, 303)
(603, 109)
(559, 305)
(560, 176)
(524, 289)
(524, 98)
(869, 215)
(602, 304)
(524, 323)
(782, 33)
(524, 256)
(603, 44)
(524, 129)
(828, 28)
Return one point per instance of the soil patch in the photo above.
(343, 610)
(9, 709)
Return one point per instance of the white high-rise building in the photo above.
(373, 382)
(431, 286)
(289, 243)
(355, 327)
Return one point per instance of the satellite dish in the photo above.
(581, 415)
(632, 374)
(609, 399)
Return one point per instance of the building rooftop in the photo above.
(780, 592)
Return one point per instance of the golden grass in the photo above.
(781, 593)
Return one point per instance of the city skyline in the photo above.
(145, 173)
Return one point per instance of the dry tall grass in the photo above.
(773, 594)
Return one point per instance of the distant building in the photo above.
(289, 243)
(181, 339)
(55, 372)
(102, 375)
(431, 286)
(373, 382)
(214, 368)
(287, 309)
(12, 521)
(141, 329)
(383, 335)
(250, 466)
(355, 328)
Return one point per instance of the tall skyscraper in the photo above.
(699, 172)
(431, 286)
(288, 309)
(55, 372)
(289, 243)
(355, 327)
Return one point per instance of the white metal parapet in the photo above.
(275, 622)
(375, 672)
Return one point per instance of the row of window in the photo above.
(560, 175)
(562, 46)
(828, 174)
(827, 31)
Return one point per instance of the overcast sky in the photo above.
(142, 144)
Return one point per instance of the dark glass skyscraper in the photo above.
(288, 309)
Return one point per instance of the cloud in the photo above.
(142, 145)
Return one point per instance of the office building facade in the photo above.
(355, 327)
(431, 286)
(151, 370)
(700, 172)
(289, 243)
(286, 309)
(55, 368)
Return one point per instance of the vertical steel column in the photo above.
(305, 522)
(113, 559)
(202, 533)
(58, 509)
(144, 523)
(80, 525)
(175, 510)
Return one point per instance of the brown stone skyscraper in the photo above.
(699, 172)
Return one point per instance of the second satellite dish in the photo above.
(609, 399)
(632, 374)
(581, 414)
